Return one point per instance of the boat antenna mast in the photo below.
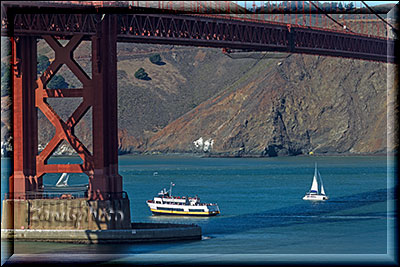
(170, 188)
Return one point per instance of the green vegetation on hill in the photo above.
(43, 63)
(155, 59)
(57, 82)
(141, 74)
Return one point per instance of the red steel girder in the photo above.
(209, 31)
(25, 136)
(64, 130)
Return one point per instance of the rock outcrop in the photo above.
(293, 106)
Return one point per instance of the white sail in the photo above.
(63, 181)
(322, 190)
(322, 185)
(314, 186)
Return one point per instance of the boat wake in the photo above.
(350, 217)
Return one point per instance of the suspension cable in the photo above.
(376, 14)
(326, 14)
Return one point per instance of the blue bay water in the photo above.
(262, 211)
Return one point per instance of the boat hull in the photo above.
(184, 213)
(181, 206)
(183, 210)
(315, 197)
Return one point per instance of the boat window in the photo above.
(177, 209)
(162, 208)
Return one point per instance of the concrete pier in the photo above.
(84, 221)
(67, 213)
(140, 232)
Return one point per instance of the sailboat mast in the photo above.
(315, 170)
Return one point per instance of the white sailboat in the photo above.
(63, 181)
(63, 186)
(315, 193)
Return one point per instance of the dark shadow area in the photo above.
(161, 63)
(145, 78)
(7, 250)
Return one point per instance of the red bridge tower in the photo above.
(105, 206)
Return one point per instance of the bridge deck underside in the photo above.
(210, 32)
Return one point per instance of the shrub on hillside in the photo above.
(57, 82)
(156, 59)
(43, 63)
(141, 74)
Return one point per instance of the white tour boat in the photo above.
(166, 204)
(315, 193)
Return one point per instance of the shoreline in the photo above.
(216, 155)
(305, 155)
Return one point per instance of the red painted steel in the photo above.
(30, 93)
(105, 136)
(82, 23)
(64, 130)
(25, 138)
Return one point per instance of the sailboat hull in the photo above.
(315, 197)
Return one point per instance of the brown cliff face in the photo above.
(293, 106)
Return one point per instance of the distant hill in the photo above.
(245, 104)
(291, 106)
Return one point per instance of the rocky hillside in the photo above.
(246, 104)
(289, 106)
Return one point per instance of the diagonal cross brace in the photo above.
(64, 130)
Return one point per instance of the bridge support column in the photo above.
(106, 206)
(105, 182)
(25, 131)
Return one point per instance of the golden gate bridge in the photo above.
(356, 32)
